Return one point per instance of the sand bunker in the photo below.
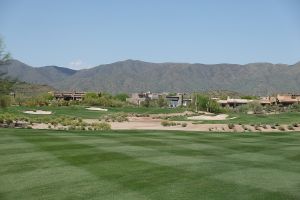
(38, 112)
(207, 117)
(96, 109)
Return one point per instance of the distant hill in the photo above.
(135, 76)
(23, 89)
(30, 90)
(41, 75)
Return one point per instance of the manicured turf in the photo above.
(281, 118)
(41, 164)
(81, 111)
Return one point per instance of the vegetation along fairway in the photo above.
(81, 111)
(47, 164)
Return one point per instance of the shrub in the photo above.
(281, 128)
(290, 127)
(230, 126)
(255, 107)
(103, 126)
(168, 123)
(184, 124)
(264, 126)
(273, 127)
(257, 128)
(244, 127)
(121, 96)
(295, 125)
(5, 101)
(119, 117)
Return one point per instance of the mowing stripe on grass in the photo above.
(147, 165)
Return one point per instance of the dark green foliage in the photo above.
(4, 55)
(205, 103)
(101, 99)
(6, 86)
(121, 96)
(162, 102)
(115, 117)
(146, 103)
(255, 107)
(5, 101)
(295, 124)
(231, 126)
(168, 123)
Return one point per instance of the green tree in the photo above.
(255, 107)
(121, 96)
(5, 85)
(4, 55)
(162, 102)
(204, 103)
(146, 103)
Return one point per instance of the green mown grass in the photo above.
(47, 164)
(281, 118)
(81, 111)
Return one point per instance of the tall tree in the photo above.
(4, 55)
(5, 84)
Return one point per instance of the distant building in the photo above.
(288, 99)
(178, 99)
(233, 102)
(138, 98)
(67, 96)
(173, 101)
(267, 100)
(279, 99)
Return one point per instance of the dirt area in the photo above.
(209, 117)
(38, 112)
(172, 114)
(148, 123)
(96, 109)
(156, 125)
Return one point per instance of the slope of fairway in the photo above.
(40, 164)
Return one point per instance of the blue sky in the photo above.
(81, 34)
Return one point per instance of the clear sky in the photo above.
(86, 33)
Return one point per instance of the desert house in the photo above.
(233, 102)
(279, 99)
(268, 100)
(173, 100)
(67, 96)
(287, 99)
(138, 98)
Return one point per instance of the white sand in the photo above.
(207, 117)
(38, 112)
(96, 109)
